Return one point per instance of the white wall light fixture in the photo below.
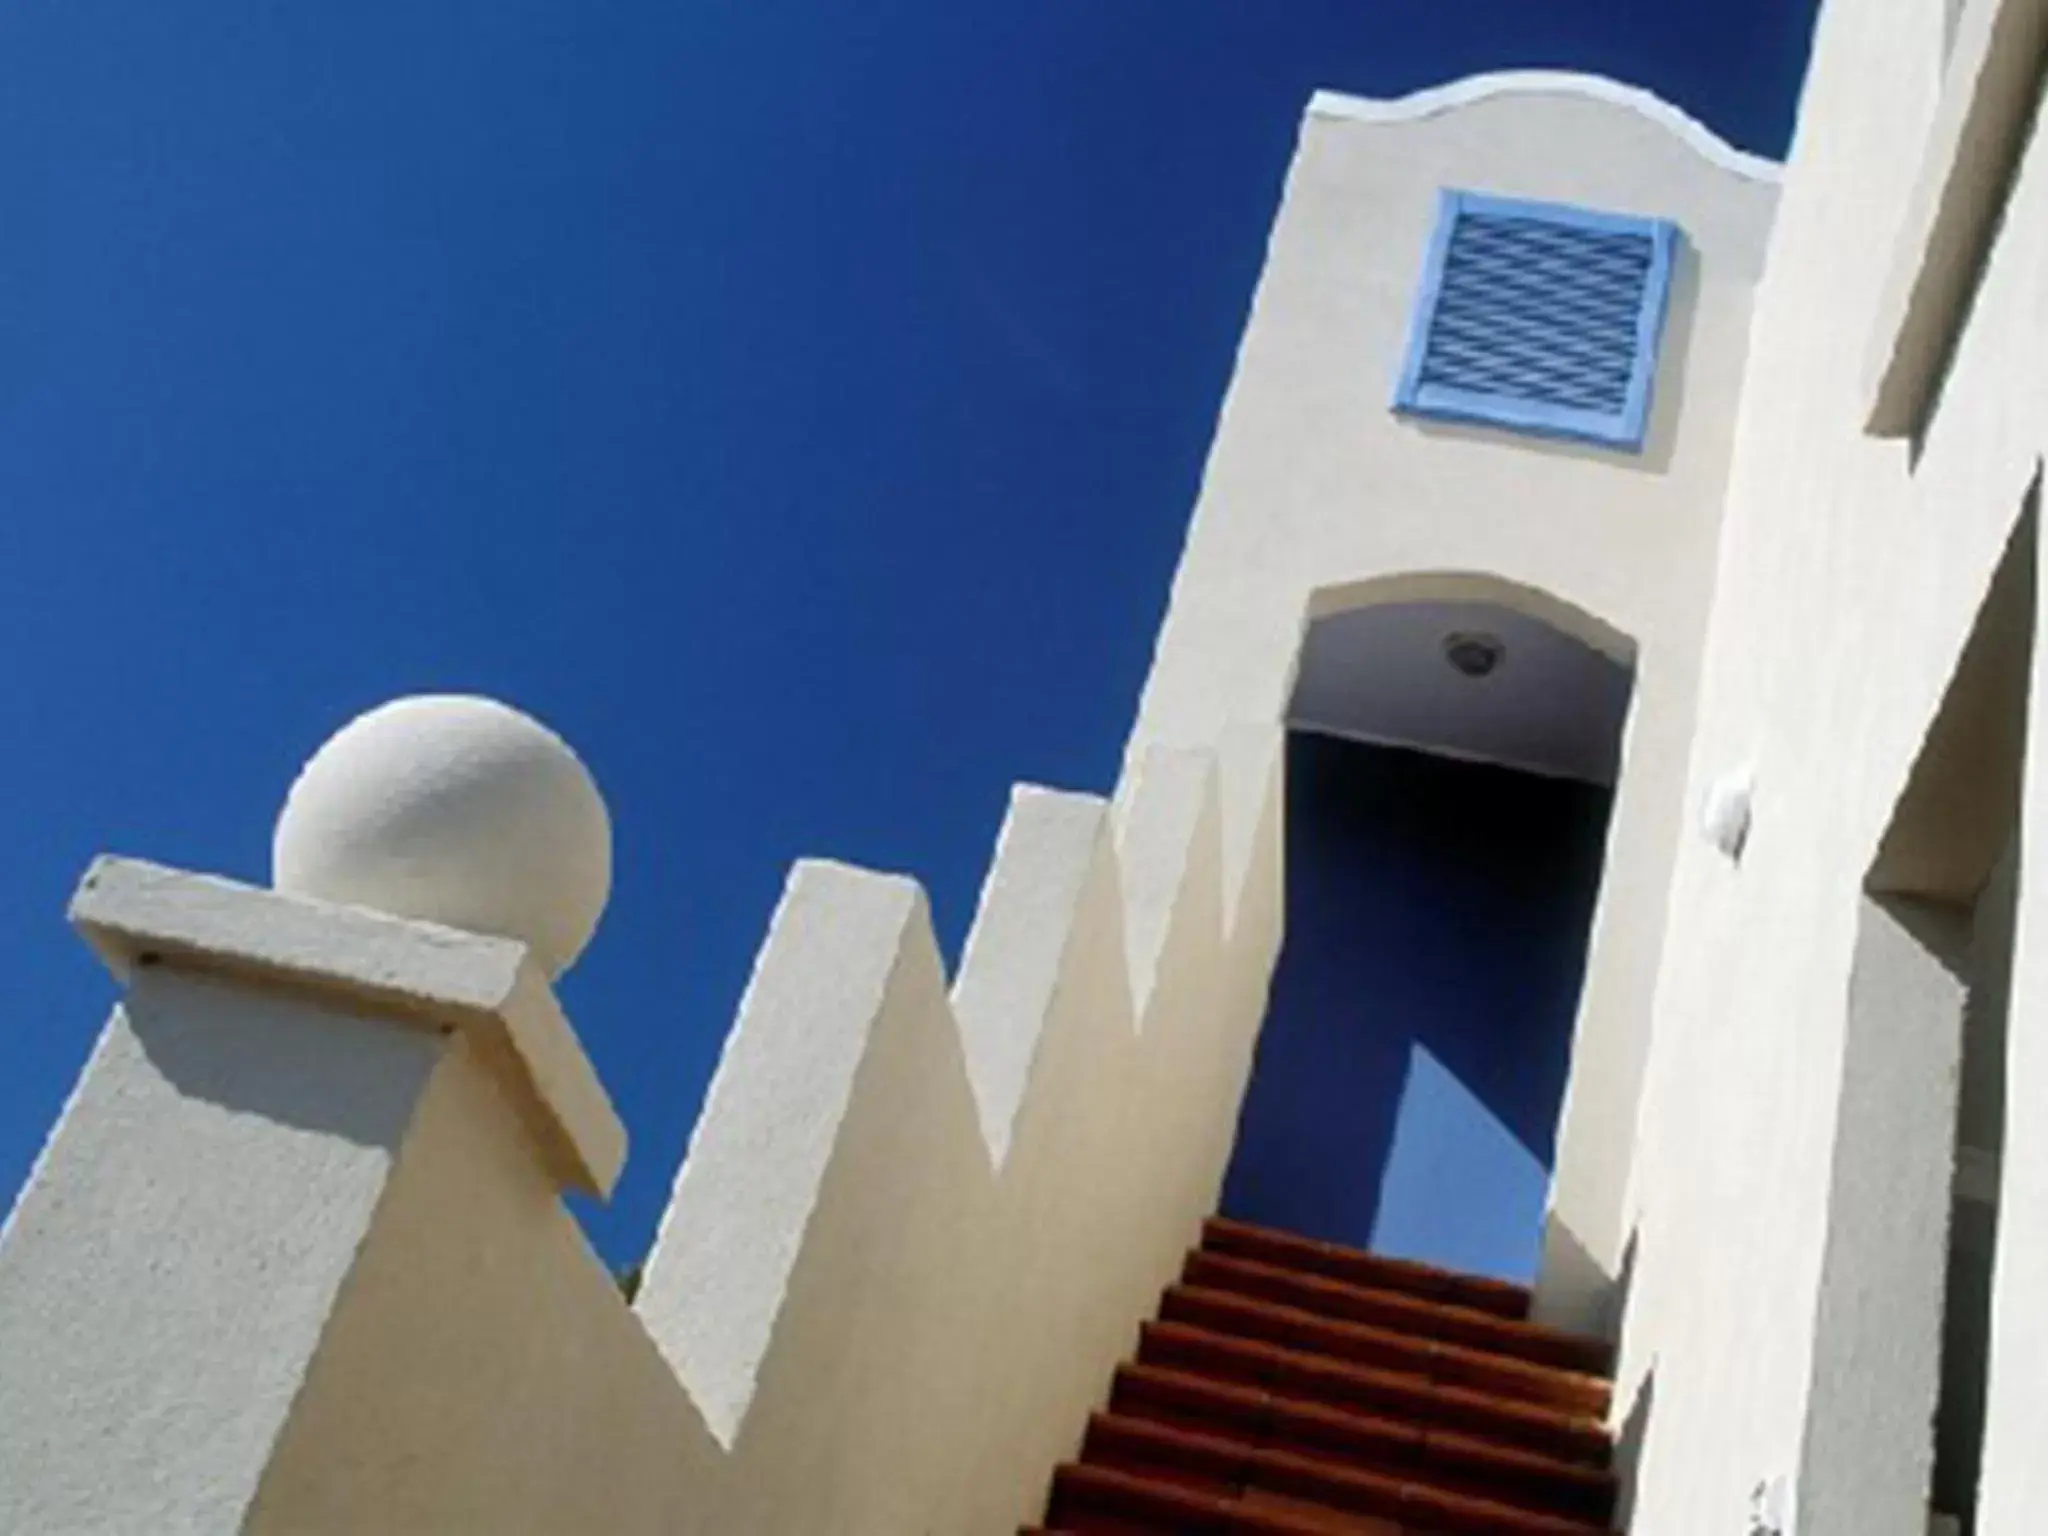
(1726, 811)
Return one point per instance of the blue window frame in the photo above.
(1539, 317)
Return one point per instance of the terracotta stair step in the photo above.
(1461, 1463)
(1399, 1311)
(1291, 1387)
(1230, 1469)
(1103, 1501)
(1345, 1385)
(1251, 1317)
(1334, 1261)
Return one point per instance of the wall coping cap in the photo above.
(136, 913)
(1472, 89)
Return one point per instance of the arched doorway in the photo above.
(1451, 762)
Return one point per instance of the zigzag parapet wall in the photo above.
(914, 1231)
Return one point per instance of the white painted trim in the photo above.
(134, 912)
(1553, 82)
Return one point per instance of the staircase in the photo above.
(1299, 1388)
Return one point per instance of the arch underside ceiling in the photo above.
(1375, 666)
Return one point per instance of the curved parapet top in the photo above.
(1476, 88)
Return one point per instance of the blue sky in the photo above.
(796, 404)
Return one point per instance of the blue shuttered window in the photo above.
(1540, 318)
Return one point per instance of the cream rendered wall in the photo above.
(480, 1372)
(916, 1228)
(1868, 1456)
(913, 1233)
(1850, 571)
(2014, 1487)
(148, 1349)
(1317, 497)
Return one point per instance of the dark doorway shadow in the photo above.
(1406, 1090)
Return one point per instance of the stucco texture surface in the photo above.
(917, 1225)
(1850, 570)
(914, 1231)
(1318, 497)
(167, 1275)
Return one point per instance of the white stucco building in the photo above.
(1572, 843)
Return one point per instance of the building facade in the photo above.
(1572, 837)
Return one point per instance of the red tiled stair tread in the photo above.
(1090, 1498)
(1284, 1250)
(1389, 1394)
(1230, 1469)
(1400, 1311)
(1459, 1462)
(1249, 1317)
(1291, 1387)
(1251, 1413)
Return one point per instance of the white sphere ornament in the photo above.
(457, 810)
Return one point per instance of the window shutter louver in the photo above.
(1539, 318)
